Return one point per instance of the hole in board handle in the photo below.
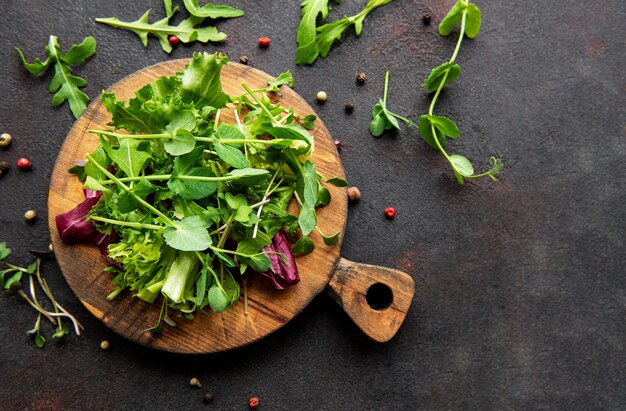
(379, 296)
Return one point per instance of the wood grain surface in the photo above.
(269, 309)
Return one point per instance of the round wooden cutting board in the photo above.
(269, 309)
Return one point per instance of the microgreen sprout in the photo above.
(11, 284)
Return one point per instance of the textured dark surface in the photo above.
(524, 302)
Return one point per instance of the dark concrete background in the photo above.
(524, 302)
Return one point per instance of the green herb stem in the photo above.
(165, 177)
(385, 92)
(197, 138)
(127, 223)
(265, 109)
(451, 61)
(36, 306)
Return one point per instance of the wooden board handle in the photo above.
(376, 298)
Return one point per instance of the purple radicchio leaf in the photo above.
(281, 275)
(74, 228)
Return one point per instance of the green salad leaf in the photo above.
(195, 202)
(64, 84)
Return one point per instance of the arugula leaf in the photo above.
(186, 31)
(128, 156)
(201, 83)
(303, 141)
(167, 4)
(64, 84)
(311, 9)
(189, 234)
(283, 79)
(308, 52)
(102, 158)
(211, 11)
(248, 176)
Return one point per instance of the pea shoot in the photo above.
(435, 129)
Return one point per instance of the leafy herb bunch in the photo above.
(198, 204)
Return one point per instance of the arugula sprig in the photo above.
(436, 129)
(64, 84)
(311, 9)
(11, 284)
(187, 31)
(310, 46)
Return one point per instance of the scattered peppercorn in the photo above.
(426, 18)
(349, 107)
(30, 215)
(208, 397)
(321, 96)
(194, 382)
(244, 60)
(253, 403)
(390, 212)
(104, 344)
(5, 139)
(354, 194)
(51, 248)
(23, 163)
(173, 40)
(264, 41)
(3, 166)
(338, 144)
(360, 78)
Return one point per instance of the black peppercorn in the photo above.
(244, 60)
(360, 78)
(3, 166)
(426, 19)
(349, 107)
(208, 397)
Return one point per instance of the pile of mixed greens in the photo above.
(186, 206)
